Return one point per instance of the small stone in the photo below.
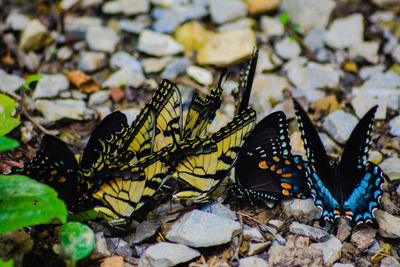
(252, 262)
(253, 234)
(50, 85)
(398, 191)
(260, 6)
(115, 261)
(316, 15)
(126, 7)
(339, 125)
(193, 35)
(17, 21)
(227, 47)
(137, 25)
(124, 60)
(375, 157)
(200, 75)
(211, 230)
(10, 82)
(31, 61)
(391, 167)
(98, 98)
(346, 32)
(124, 77)
(389, 262)
(35, 36)
(80, 25)
(388, 205)
(100, 249)
(315, 39)
(119, 247)
(368, 71)
(167, 254)
(145, 230)
(103, 39)
(272, 26)
(389, 225)
(343, 265)
(287, 48)
(222, 11)
(314, 233)
(158, 44)
(301, 207)
(367, 50)
(243, 23)
(330, 248)
(175, 68)
(395, 126)
(278, 224)
(363, 238)
(362, 103)
(221, 210)
(155, 65)
(92, 61)
(131, 114)
(67, 4)
(64, 53)
(63, 109)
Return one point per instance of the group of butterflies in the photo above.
(126, 166)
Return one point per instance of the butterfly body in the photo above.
(351, 187)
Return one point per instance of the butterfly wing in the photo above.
(55, 165)
(361, 180)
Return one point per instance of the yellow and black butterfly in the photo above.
(204, 171)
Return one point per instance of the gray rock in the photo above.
(64, 53)
(253, 234)
(158, 44)
(363, 238)
(136, 25)
(124, 77)
(265, 62)
(34, 36)
(272, 26)
(257, 248)
(99, 97)
(100, 249)
(63, 109)
(80, 24)
(301, 207)
(346, 32)
(389, 225)
(103, 110)
(126, 7)
(368, 71)
(330, 248)
(168, 19)
(17, 21)
(67, 4)
(145, 230)
(175, 68)
(278, 224)
(367, 50)
(101, 38)
(296, 252)
(200, 75)
(222, 11)
(31, 61)
(398, 191)
(92, 61)
(10, 82)
(389, 262)
(311, 75)
(50, 85)
(343, 265)
(362, 103)
(391, 167)
(314, 233)
(124, 60)
(252, 262)
(223, 211)
(328, 143)
(395, 126)
(131, 114)
(375, 156)
(315, 39)
(119, 247)
(167, 254)
(316, 15)
(211, 230)
(339, 125)
(155, 65)
(287, 48)
(388, 205)
(243, 23)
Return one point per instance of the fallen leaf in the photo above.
(116, 94)
(84, 82)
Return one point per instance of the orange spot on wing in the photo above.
(279, 171)
(286, 185)
(285, 192)
(263, 165)
(62, 179)
(53, 172)
(299, 167)
(276, 159)
(273, 168)
(287, 175)
(287, 162)
(336, 212)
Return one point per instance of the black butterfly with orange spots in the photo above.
(265, 169)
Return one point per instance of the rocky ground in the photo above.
(95, 56)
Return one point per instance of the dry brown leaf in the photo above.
(84, 82)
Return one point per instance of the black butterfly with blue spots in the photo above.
(265, 169)
(351, 187)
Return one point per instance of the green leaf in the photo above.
(31, 79)
(7, 111)
(7, 143)
(25, 202)
(296, 27)
(77, 240)
(84, 216)
(9, 263)
(284, 18)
